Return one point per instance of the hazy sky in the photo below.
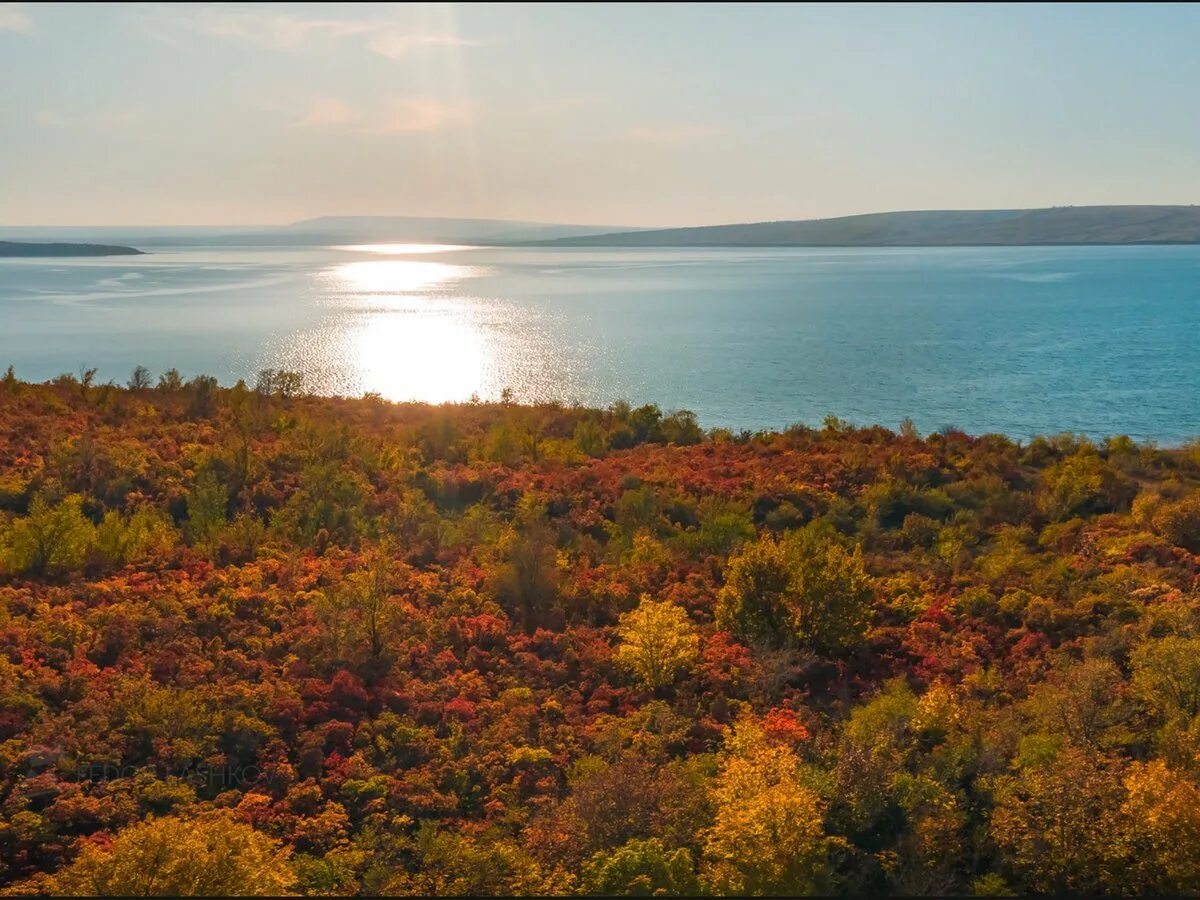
(638, 115)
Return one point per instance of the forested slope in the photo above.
(259, 642)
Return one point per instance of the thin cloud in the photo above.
(414, 117)
(398, 116)
(394, 43)
(670, 134)
(14, 18)
(280, 31)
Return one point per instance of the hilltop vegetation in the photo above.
(253, 641)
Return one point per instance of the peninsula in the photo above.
(22, 248)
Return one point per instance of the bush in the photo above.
(122, 539)
(50, 538)
(1179, 522)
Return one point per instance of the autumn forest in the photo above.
(254, 641)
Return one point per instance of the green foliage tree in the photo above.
(50, 539)
(201, 396)
(640, 868)
(369, 592)
(279, 383)
(636, 509)
(805, 588)
(206, 508)
(140, 379)
(144, 533)
(329, 499)
(503, 443)
(723, 525)
(170, 381)
(289, 384)
(682, 428)
(525, 577)
(245, 534)
(755, 603)
(646, 423)
(591, 438)
(87, 378)
(447, 864)
(892, 501)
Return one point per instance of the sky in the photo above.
(640, 115)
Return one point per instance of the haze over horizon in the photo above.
(656, 117)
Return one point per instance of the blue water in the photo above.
(1015, 340)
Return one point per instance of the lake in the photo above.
(1019, 340)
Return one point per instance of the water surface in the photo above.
(1019, 340)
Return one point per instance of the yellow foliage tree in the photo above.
(1072, 484)
(211, 855)
(768, 835)
(1166, 674)
(1179, 522)
(1163, 814)
(658, 641)
(930, 850)
(1058, 822)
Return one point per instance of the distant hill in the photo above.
(945, 228)
(317, 232)
(23, 248)
(1064, 225)
(414, 228)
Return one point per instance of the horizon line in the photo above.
(576, 224)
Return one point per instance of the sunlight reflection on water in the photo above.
(404, 249)
(394, 277)
(401, 328)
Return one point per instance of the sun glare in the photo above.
(395, 276)
(406, 333)
(434, 356)
(403, 249)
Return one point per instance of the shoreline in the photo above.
(831, 423)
